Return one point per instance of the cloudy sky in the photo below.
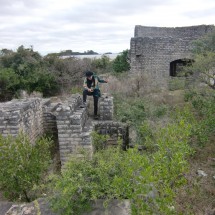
(99, 25)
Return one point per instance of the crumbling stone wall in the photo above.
(64, 119)
(152, 49)
(75, 127)
(21, 115)
(115, 130)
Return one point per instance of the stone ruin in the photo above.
(64, 119)
(157, 53)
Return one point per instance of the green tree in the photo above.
(204, 60)
(31, 71)
(22, 165)
(120, 64)
(9, 84)
(103, 64)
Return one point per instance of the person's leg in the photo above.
(96, 99)
(85, 92)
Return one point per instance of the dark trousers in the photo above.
(95, 98)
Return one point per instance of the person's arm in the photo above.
(102, 81)
(85, 85)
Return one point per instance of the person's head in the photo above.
(89, 75)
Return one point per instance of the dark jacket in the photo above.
(94, 84)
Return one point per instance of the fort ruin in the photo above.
(158, 52)
(70, 125)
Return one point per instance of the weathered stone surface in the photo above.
(152, 49)
(41, 206)
(115, 207)
(65, 120)
(4, 207)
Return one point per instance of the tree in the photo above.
(9, 83)
(120, 64)
(22, 165)
(103, 64)
(204, 59)
(30, 70)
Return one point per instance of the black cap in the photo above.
(88, 74)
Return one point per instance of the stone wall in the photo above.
(75, 126)
(115, 130)
(64, 119)
(22, 115)
(152, 49)
(70, 124)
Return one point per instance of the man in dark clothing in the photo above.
(91, 88)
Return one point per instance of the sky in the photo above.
(99, 25)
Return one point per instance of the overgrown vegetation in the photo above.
(22, 166)
(27, 70)
(150, 179)
(121, 63)
(204, 60)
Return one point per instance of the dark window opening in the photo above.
(176, 67)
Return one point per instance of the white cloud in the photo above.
(80, 25)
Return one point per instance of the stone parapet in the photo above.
(106, 107)
(23, 115)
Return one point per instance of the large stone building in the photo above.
(157, 52)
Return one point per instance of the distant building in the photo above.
(158, 52)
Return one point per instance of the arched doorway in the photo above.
(177, 65)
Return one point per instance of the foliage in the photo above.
(203, 102)
(22, 165)
(28, 69)
(9, 83)
(204, 68)
(103, 64)
(68, 72)
(147, 180)
(99, 141)
(176, 83)
(145, 134)
(76, 89)
(204, 60)
(70, 52)
(120, 63)
(204, 44)
(130, 110)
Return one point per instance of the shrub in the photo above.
(22, 165)
(130, 110)
(120, 64)
(9, 83)
(203, 102)
(147, 180)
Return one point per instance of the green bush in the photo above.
(147, 180)
(27, 71)
(130, 110)
(22, 165)
(121, 64)
(99, 141)
(176, 83)
(9, 83)
(103, 64)
(203, 102)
